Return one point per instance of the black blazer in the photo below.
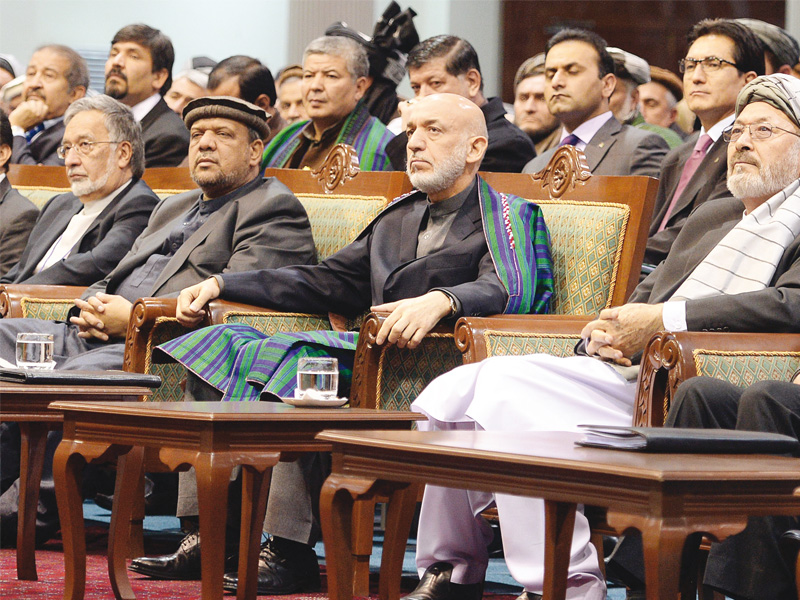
(381, 266)
(98, 251)
(166, 139)
(17, 218)
(708, 183)
(42, 150)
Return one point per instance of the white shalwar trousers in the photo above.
(515, 394)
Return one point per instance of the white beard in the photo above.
(769, 180)
(444, 173)
(90, 186)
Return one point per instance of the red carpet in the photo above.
(50, 566)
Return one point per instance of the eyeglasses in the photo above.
(709, 63)
(82, 148)
(758, 131)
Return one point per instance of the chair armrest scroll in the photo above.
(16, 299)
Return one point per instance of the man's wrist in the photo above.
(220, 283)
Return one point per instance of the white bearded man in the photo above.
(734, 267)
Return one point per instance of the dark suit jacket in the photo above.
(708, 183)
(17, 218)
(166, 139)
(265, 227)
(381, 266)
(98, 251)
(774, 309)
(509, 147)
(42, 150)
(617, 149)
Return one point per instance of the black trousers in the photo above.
(748, 565)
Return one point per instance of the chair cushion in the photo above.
(743, 368)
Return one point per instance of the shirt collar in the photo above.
(95, 207)
(452, 204)
(145, 106)
(2, 177)
(587, 130)
(716, 130)
(331, 132)
(209, 206)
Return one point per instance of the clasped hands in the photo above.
(103, 316)
(408, 321)
(620, 332)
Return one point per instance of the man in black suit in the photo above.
(56, 76)
(17, 213)
(579, 80)
(139, 73)
(236, 219)
(710, 90)
(79, 237)
(735, 266)
(449, 64)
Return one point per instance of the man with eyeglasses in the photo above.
(80, 236)
(723, 56)
(735, 266)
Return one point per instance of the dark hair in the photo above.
(78, 72)
(461, 56)
(6, 137)
(254, 78)
(605, 63)
(748, 53)
(161, 51)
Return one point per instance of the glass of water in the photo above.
(318, 373)
(35, 351)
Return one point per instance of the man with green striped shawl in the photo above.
(335, 71)
(454, 247)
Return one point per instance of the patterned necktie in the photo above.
(698, 154)
(570, 140)
(33, 132)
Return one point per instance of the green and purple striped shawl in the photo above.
(366, 134)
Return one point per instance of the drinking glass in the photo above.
(318, 373)
(35, 351)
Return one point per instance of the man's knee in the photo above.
(701, 396)
(765, 401)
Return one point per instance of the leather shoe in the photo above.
(280, 574)
(435, 585)
(183, 565)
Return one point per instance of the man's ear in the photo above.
(5, 155)
(124, 154)
(76, 93)
(362, 85)
(473, 79)
(477, 149)
(159, 79)
(264, 102)
(749, 76)
(256, 152)
(609, 81)
(786, 70)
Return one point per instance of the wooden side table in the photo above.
(213, 437)
(671, 498)
(27, 405)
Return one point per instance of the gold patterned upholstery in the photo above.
(586, 245)
(743, 368)
(337, 219)
(172, 374)
(46, 309)
(502, 343)
(271, 323)
(39, 195)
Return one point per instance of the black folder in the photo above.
(695, 441)
(107, 378)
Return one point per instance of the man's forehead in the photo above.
(227, 87)
(325, 61)
(85, 123)
(130, 45)
(47, 58)
(570, 52)
(720, 46)
(761, 111)
(216, 123)
(432, 66)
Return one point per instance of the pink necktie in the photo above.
(698, 154)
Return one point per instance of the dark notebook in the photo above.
(696, 441)
(109, 378)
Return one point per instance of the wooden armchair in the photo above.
(48, 302)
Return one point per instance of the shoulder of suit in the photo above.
(725, 209)
(634, 135)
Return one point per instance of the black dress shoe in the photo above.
(183, 565)
(281, 573)
(435, 585)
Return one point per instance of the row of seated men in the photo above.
(426, 259)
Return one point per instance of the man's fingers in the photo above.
(385, 331)
(384, 308)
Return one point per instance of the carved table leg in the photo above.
(559, 527)
(33, 443)
(130, 473)
(363, 530)
(255, 491)
(399, 515)
(213, 472)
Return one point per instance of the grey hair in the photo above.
(354, 53)
(119, 121)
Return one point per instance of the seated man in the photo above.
(17, 213)
(441, 252)
(236, 219)
(80, 236)
(734, 267)
(530, 109)
(190, 84)
(335, 71)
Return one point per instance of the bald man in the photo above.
(424, 259)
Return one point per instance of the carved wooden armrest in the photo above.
(670, 358)
(15, 299)
(371, 361)
(482, 337)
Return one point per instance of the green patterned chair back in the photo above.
(744, 367)
(48, 310)
(272, 323)
(337, 219)
(172, 374)
(586, 244)
(503, 343)
(39, 195)
(403, 373)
